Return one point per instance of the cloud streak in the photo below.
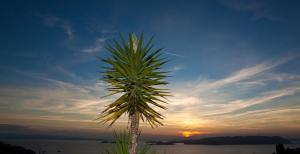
(243, 74)
(259, 9)
(56, 22)
(98, 46)
(236, 105)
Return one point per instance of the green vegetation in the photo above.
(122, 145)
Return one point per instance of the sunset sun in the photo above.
(191, 133)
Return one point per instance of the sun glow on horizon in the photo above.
(191, 133)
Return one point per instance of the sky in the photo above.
(235, 65)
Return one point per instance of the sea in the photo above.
(96, 147)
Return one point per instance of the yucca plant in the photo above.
(133, 70)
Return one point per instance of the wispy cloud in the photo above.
(96, 47)
(230, 107)
(73, 102)
(173, 54)
(56, 95)
(259, 9)
(57, 22)
(176, 68)
(271, 120)
(243, 74)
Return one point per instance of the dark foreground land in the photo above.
(11, 149)
(280, 149)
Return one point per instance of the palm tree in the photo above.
(133, 71)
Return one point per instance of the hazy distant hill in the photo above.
(236, 140)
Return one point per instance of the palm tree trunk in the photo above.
(134, 130)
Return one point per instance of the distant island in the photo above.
(228, 140)
(161, 143)
(105, 141)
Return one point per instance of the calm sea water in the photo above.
(96, 147)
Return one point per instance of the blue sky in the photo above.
(235, 64)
